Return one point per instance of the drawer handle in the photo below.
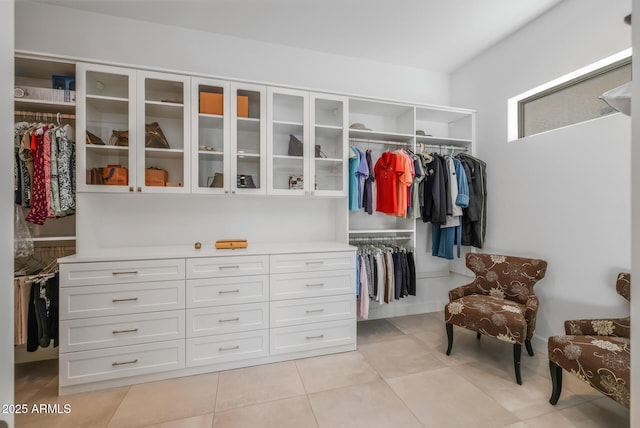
(320, 336)
(315, 262)
(130, 299)
(133, 330)
(311, 311)
(230, 320)
(229, 349)
(132, 272)
(228, 291)
(124, 362)
(317, 284)
(230, 267)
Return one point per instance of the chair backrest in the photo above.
(508, 277)
(623, 285)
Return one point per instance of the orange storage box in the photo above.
(115, 175)
(211, 103)
(155, 177)
(243, 106)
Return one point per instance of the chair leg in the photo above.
(517, 352)
(449, 328)
(478, 335)
(556, 382)
(527, 343)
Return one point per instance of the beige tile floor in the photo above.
(399, 377)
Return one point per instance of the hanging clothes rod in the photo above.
(390, 143)
(440, 146)
(379, 238)
(38, 114)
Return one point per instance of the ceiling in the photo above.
(438, 35)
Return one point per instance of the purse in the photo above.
(119, 138)
(319, 152)
(245, 182)
(218, 180)
(115, 175)
(154, 137)
(94, 139)
(295, 146)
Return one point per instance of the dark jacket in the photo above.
(474, 219)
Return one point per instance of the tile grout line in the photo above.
(215, 400)
(118, 406)
(306, 394)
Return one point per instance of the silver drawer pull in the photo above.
(229, 267)
(133, 272)
(320, 336)
(124, 362)
(311, 311)
(228, 291)
(317, 284)
(229, 349)
(230, 320)
(133, 330)
(315, 262)
(130, 299)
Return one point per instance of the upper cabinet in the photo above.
(306, 143)
(133, 131)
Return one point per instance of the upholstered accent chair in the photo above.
(598, 351)
(499, 302)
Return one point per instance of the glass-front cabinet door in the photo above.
(163, 133)
(288, 143)
(328, 166)
(105, 128)
(248, 143)
(210, 160)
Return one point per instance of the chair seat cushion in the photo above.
(493, 316)
(604, 362)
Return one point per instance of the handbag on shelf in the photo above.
(319, 152)
(295, 146)
(245, 182)
(154, 137)
(93, 139)
(115, 175)
(218, 180)
(119, 138)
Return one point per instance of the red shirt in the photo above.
(387, 169)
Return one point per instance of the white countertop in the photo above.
(207, 250)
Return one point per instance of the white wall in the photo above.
(107, 38)
(6, 210)
(565, 195)
(635, 223)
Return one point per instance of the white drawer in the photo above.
(227, 347)
(285, 313)
(105, 332)
(123, 361)
(226, 291)
(120, 299)
(227, 319)
(209, 267)
(312, 262)
(314, 284)
(312, 336)
(78, 274)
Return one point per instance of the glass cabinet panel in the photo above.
(106, 108)
(248, 143)
(163, 133)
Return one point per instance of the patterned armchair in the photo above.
(499, 302)
(598, 351)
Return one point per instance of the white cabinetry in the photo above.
(133, 320)
(124, 101)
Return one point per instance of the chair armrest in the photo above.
(531, 314)
(461, 291)
(618, 327)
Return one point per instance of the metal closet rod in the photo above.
(379, 238)
(44, 115)
(391, 143)
(441, 146)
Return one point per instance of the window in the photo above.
(571, 99)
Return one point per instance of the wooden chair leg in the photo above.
(449, 328)
(527, 343)
(556, 382)
(478, 335)
(517, 352)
